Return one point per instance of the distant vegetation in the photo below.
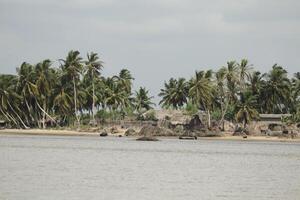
(77, 91)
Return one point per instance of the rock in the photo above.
(120, 135)
(144, 138)
(114, 130)
(245, 136)
(188, 137)
(155, 131)
(103, 134)
(130, 132)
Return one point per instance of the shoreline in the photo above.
(49, 132)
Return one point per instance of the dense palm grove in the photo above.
(76, 92)
(235, 92)
(67, 95)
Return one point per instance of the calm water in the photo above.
(44, 167)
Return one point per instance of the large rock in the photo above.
(155, 131)
(130, 132)
(144, 138)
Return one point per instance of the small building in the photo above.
(272, 118)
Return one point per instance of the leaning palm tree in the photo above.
(246, 111)
(72, 66)
(45, 79)
(93, 67)
(201, 92)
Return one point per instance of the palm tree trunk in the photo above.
(3, 113)
(44, 112)
(28, 108)
(75, 101)
(93, 106)
(209, 118)
(22, 122)
(12, 118)
(223, 111)
(44, 115)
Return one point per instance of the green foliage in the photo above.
(216, 114)
(191, 109)
(41, 93)
(148, 116)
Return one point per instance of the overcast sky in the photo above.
(154, 39)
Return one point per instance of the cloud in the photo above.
(156, 39)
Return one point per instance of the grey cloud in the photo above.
(155, 39)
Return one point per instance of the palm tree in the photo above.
(72, 65)
(201, 92)
(276, 91)
(244, 71)
(124, 80)
(93, 67)
(246, 108)
(142, 100)
(115, 96)
(232, 76)
(45, 79)
(174, 94)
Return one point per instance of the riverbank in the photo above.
(52, 132)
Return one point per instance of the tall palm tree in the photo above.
(72, 65)
(201, 92)
(276, 91)
(93, 68)
(232, 77)
(246, 108)
(142, 100)
(244, 72)
(45, 79)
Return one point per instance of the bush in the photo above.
(191, 109)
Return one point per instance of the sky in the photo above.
(154, 39)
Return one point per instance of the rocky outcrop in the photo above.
(130, 132)
(155, 131)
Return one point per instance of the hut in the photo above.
(272, 118)
(271, 122)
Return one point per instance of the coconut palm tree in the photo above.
(246, 108)
(201, 92)
(115, 96)
(232, 77)
(142, 100)
(174, 94)
(124, 80)
(72, 66)
(93, 67)
(276, 91)
(244, 72)
(45, 79)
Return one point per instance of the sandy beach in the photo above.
(95, 134)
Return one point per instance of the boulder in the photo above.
(103, 134)
(155, 131)
(145, 138)
(130, 132)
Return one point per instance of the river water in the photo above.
(57, 167)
